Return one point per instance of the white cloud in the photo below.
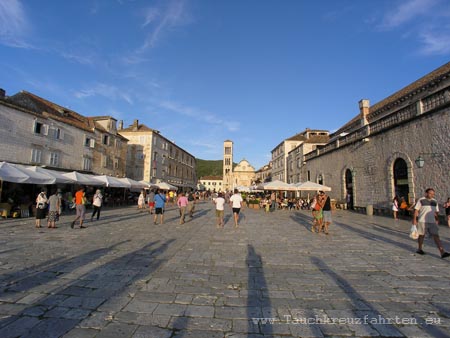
(406, 12)
(435, 43)
(162, 19)
(108, 91)
(13, 24)
(203, 116)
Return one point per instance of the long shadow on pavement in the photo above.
(305, 221)
(259, 307)
(61, 311)
(371, 316)
(40, 274)
(374, 237)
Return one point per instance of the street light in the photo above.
(420, 162)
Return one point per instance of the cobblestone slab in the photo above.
(123, 276)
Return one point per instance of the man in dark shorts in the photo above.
(236, 204)
(160, 200)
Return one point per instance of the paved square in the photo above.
(123, 276)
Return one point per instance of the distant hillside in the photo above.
(209, 167)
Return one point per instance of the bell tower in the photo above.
(227, 165)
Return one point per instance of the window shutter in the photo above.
(92, 143)
(45, 129)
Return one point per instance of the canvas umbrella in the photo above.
(56, 174)
(278, 185)
(133, 184)
(83, 178)
(35, 177)
(9, 173)
(148, 184)
(113, 182)
(311, 186)
(166, 186)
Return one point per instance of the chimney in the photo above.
(2, 93)
(135, 125)
(364, 106)
(120, 124)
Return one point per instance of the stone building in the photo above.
(35, 131)
(243, 174)
(264, 174)
(227, 165)
(399, 146)
(212, 183)
(111, 147)
(281, 152)
(296, 157)
(153, 158)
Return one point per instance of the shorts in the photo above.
(219, 213)
(432, 228)
(317, 214)
(151, 204)
(81, 210)
(53, 216)
(159, 211)
(327, 216)
(236, 210)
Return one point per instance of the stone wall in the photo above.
(371, 161)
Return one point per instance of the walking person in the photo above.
(220, 207)
(160, 201)
(426, 218)
(273, 201)
(97, 201)
(325, 202)
(191, 204)
(395, 207)
(41, 207)
(141, 201)
(80, 206)
(151, 201)
(182, 203)
(316, 210)
(54, 207)
(236, 204)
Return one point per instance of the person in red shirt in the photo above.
(80, 201)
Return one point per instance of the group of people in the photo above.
(235, 202)
(51, 207)
(321, 212)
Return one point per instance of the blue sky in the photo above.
(201, 72)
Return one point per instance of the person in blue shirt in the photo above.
(160, 200)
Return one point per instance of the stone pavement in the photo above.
(123, 276)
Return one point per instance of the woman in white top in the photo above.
(141, 201)
(97, 201)
(41, 207)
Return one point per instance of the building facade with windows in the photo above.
(37, 132)
(399, 146)
(281, 152)
(154, 158)
(264, 174)
(110, 153)
(212, 183)
(296, 157)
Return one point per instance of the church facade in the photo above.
(243, 174)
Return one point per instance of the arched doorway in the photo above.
(349, 188)
(401, 186)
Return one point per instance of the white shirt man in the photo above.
(236, 203)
